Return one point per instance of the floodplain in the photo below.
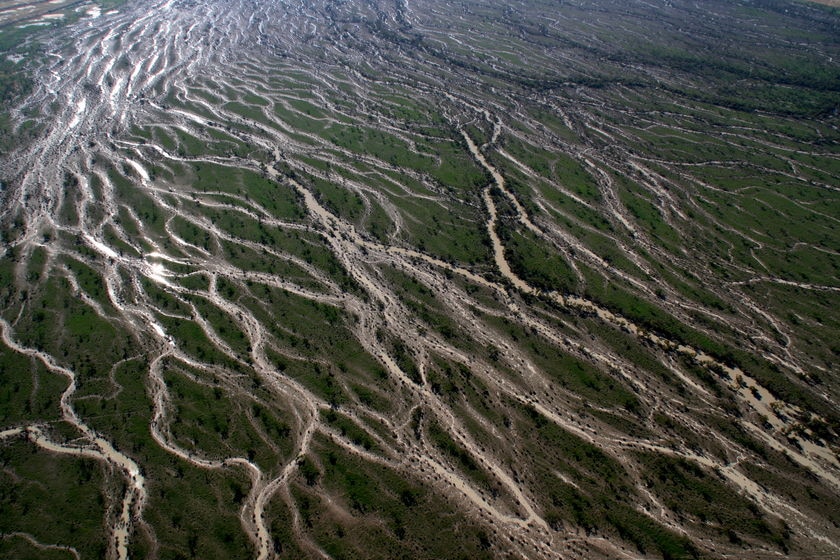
(338, 279)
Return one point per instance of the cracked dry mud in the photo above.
(107, 198)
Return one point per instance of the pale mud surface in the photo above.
(179, 66)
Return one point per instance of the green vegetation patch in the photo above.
(382, 511)
(459, 456)
(195, 512)
(214, 421)
(601, 498)
(572, 373)
(540, 266)
(37, 487)
(688, 490)
(351, 429)
(29, 392)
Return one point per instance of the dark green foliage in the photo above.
(602, 498)
(37, 487)
(388, 512)
(28, 391)
(460, 456)
(537, 264)
(209, 420)
(351, 430)
(688, 490)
